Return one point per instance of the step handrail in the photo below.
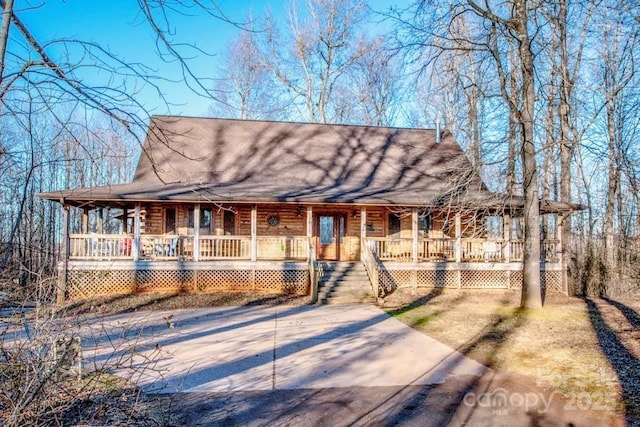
(372, 265)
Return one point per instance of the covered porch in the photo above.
(277, 247)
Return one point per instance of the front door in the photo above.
(330, 231)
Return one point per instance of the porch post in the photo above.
(125, 217)
(309, 228)
(506, 225)
(196, 232)
(414, 234)
(62, 278)
(85, 221)
(254, 233)
(561, 251)
(101, 221)
(136, 233)
(363, 229)
(458, 247)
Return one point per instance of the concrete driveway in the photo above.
(333, 365)
(271, 348)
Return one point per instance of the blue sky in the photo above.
(118, 26)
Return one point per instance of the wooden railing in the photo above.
(516, 250)
(389, 249)
(100, 246)
(179, 247)
(440, 249)
(483, 250)
(224, 247)
(400, 249)
(369, 258)
(444, 249)
(315, 271)
(549, 250)
(285, 247)
(166, 246)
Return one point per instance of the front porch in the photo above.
(191, 247)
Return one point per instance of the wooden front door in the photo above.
(329, 232)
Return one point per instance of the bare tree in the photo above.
(245, 86)
(311, 59)
(373, 86)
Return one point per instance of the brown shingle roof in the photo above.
(223, 160)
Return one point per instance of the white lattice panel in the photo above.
(225, 280)
(552, 281)
(285, 281)
(515, 281)
(86, 284)
(484, 279)
(163, 280)
(390, 280)
(437, 279)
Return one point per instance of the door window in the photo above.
(327, 234)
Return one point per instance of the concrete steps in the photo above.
(344, 283)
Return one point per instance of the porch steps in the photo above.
(344, 283)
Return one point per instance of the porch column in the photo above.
(196, 232)
(309, 229)
(85, 221)
(254, 233)
(458, 246)
(561, 251)
(363, 229)
(101, 221)
(125, 220)
(64, 249)
(136, 233)
(414, 234)
(506, 228)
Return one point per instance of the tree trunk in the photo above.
(4, 34)
(531, 286)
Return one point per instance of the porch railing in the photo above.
(285, 247)
(444, 249)
(369, 258)
(224, 247)
(100, 246)
(180, 247)
(483, 250)
(165, 246)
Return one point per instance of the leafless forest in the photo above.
(543, 95)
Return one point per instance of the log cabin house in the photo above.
(218, 204)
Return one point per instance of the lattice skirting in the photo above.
(485, 279)
(551, 280)
(390, 280)
(83, 284)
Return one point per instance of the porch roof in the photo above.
(186, 159)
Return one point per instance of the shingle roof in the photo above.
(224, 160)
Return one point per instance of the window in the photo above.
(205, 218)
(425, 223)
(170, 220)
(493, 226)
(229, 223)
(394, 224)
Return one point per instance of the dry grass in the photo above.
(564, 346)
